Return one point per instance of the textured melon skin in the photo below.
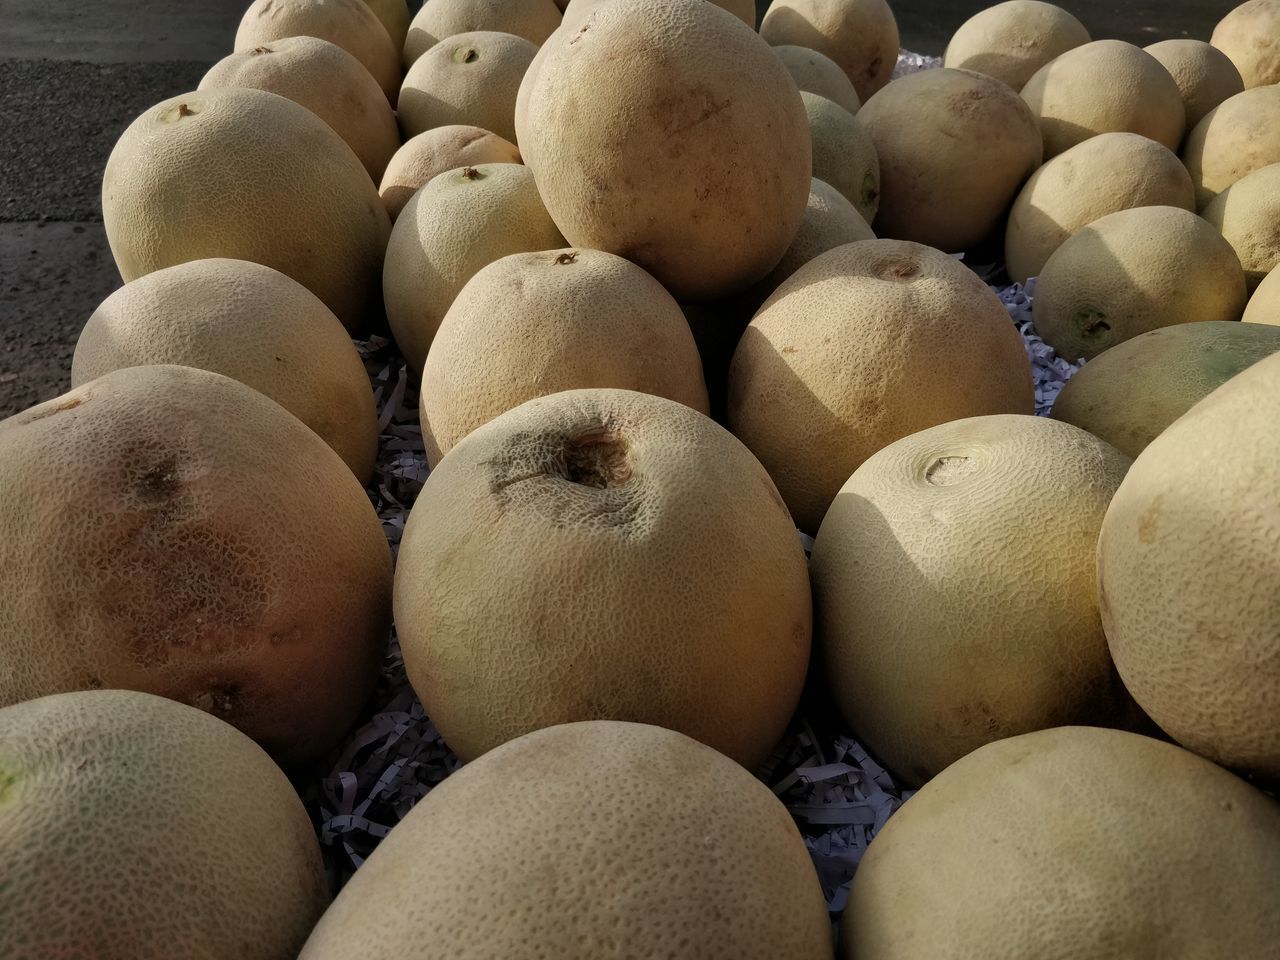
(435, 152)
(1070, 843)
(860, 35)
(1238, 137)
(1250, 36)
(394, 16)
(1247, 214)
(1205, 75)
(136, 828)
(843, 154)
(558, 868)
(535, 20)
(815, 73)
(744, 10)
(1012, 40)
(1264, 305)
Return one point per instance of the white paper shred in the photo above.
(1049, 371)
(909, 62)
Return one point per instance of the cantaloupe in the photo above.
(1205, 75)
(744, 10)
(1250, 36)
(1248, 215)
(817, 73)
(439, 150)
(1131, 272)
(1264, 305)
(1187, 566)
(523, 855)
(1236, 138)
(135, 827)
(843, 154)
(247, 175)
(1012, 40)
(172, 531)
(954, 147)
(671, 135)
(1104, 86)
(468, 78)
(1102, 175)
(603, 554)
(863, 345)
(1074, 842)
(860, 35)
(533, 324)
(394, 16)
(460, 221)
(964, 558)
(325, 79)
(534, 20)
(247, 322)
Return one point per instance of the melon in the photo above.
(744, 10)
(843, 154)
(860, 35)
(1248, 215)
(862, 346)
(1250, 36)
(435, 152)
(1188, 581)
(603, 555)
(1012, 40)
(170, 530)
(534, 20)
(394, 16)
(247, 322)
(1264, 305)
(815, 73)
(247, 175)
(1239, 136)
(1205, 75)
(522, 855)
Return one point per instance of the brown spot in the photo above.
(470, 173)
(1149, 522)
(259, 50)
(161, 481)
(184, 110)
(597, 460)
(565, 258)
(896, 269)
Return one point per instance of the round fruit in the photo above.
(954, 147)
(860, 35)
(1134, 271)
(1102, 175)
(964, 557)
(350, 24)
(112, 803)
(394, 16)
(744, 10)
(1130, 394)
(1248, 214)
(1012, 40)
(459, 222)
(468, 78)
(1264, 305)
(557, 867)
(843, 154)
(1234, 139)
(1205, 75)
(435, 152)
(533, 324)
(173, 531)
(1250, 36)
(247, 175)
(815, 73)
(637, 565)
(671, 135)
(864, 345)
(1104, 86)
(1066, 843)
(534, 20)
(247, 322)
(325, 79)
(1187, 566)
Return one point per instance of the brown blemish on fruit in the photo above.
(259, 50)
(945, 471)
(566, 258)
(1149, 522)
(470, 173)
(597, 459)
(896, 269)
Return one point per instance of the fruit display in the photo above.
(1012, 40)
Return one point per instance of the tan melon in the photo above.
(325, 79)
(1264, 305)
(534, 20)
(247, 322)
(1187, 567)
(534, 324)
(1074, 842)
(435, 152)
(815, 73)
(1102, 175)
(170, 530)
(1250, 36)
(671, 135)
(744, 10)
(954, 147)
(860, 35)
(843, 154)
(1135, 271)
(864, 345)
(459, 222)
(394, 16)
(1248, 214)
(603, 554)
(1205, 75)
(1235, 139)
(1101, 87)
(904, 587)
(468, 78)
(110, 800)
(556, 868)
(351, 24)
(1012, 40)
(247, 175)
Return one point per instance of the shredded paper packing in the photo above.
(837, 794)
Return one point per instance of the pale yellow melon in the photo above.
(1071, 843)
(460, 221)
(815, 73)
(1131, 272)
(1248, 214)
(534, 20)
(112, 802)
(860, 35)
(247, 322)
(1250, 36)
(1100, 87)
(172, 531)
(1205, 75)
(435, 152)
(744, 10)
(522, 855)
(1187, 569)
(1264, 305)
(247, 175)
(1012, 40)
(394, 16)
(603, 554)
(843, 154)
(1102, 175)
(325, 79)
(1236, 138)
(863, 345)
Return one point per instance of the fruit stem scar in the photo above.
(471, 173)
(564, 258)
